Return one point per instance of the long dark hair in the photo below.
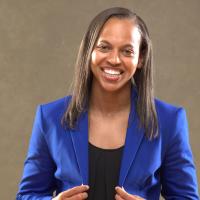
(143, 77)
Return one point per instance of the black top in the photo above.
(104, 168)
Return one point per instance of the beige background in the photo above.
(39, 40)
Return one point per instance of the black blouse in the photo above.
(104, 166)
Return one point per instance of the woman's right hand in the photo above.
(75, 193)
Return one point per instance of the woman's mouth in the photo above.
(112, 74)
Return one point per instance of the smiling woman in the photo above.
(111, 139)
(116, 55)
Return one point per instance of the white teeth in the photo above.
(112, 72)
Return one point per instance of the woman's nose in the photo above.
(114, 58)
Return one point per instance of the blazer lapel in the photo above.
(80, 142)
(134, 136)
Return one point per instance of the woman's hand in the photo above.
(75, 193)
(123, 195)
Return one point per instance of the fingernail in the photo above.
(87, 186)
(117, 187)
(85, 195)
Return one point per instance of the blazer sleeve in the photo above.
(38, 181)
(178, 172)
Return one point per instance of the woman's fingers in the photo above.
(125, 195)
(79, 196)
(117, 197)
(75, 193)
(75, 190)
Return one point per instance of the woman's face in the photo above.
(115, 57)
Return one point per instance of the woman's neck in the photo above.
(109, 103)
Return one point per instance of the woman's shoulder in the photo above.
(53, 111)
(170, 116)
(166, 108)
(56, 105)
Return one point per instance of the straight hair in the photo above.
(143, 77)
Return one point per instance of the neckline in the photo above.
(104, 149)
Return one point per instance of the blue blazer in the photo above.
(57, 158)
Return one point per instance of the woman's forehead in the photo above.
(120, 30)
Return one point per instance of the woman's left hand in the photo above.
(121, 194)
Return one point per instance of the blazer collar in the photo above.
(134, 136)
(80, 142)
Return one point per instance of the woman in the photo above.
(115, 141)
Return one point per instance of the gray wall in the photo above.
(39, 40)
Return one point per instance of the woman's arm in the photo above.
(178, 173)
(38, 181)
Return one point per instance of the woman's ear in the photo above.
(140, 63)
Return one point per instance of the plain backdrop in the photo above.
(39, 40)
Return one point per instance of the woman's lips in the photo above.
(112, 71)
(111, 74)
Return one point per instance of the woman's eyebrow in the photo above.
(104, 41)
(128, 46)
(125, 45)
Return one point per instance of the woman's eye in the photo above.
(103, 48)
(128, 52)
